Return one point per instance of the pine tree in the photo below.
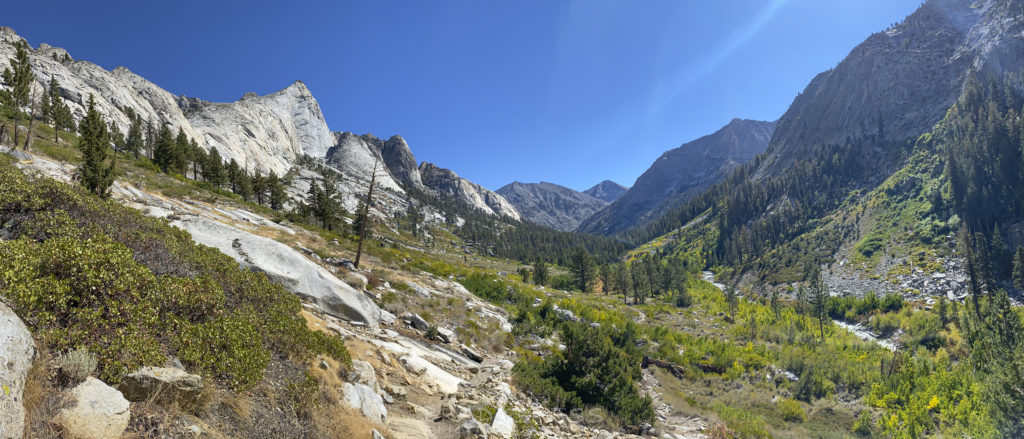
(213, 169)
(275, 190)
(732, 301)
(259, 187)
(1001, 257)
(198, 158)
(1018, 269)
(540, 273)
(581, 265)
(606, 278)
(179, 155)
(234, 172)
(622, 281)
(163, 150)
(94, 141)
(18, 79)
(50, 102)
(776, 306)
(819, 299)
(134, 142)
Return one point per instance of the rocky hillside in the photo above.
(551, 205)
(446, 183)
(898, 83)
(681, 174)
(607, 190)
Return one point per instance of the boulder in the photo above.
(368, 402)
(287, 266)
(363, 373)
(409, 429)
(503, 426)
(163, 384)
(446, 335)
(418, 322)
(473, 429)
(17, 351)
(96, 411)
(472, 354)
(431, 374)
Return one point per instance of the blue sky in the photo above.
(571, 92)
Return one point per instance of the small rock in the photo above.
(473, 429)
(417, 409)
(418, 322)
(446, 335)
(472, 355)
(503, 426)
(165, 385)
(377, 435)
(97, 411)
(505, 365)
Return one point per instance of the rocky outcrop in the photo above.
(17, 351)
(355, 156)
(166, 385)
(447, 183)
(400, 161)
(265, 132)
(551, 205)
(96, 411)
(503, 425)
(607, 191)
(284, 265)
(681, 174)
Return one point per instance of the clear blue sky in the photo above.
(571, 92)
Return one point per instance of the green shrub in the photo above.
(88, 273)
(792, 411)
(75, 366)
(869, 245)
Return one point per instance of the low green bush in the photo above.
(792, 411)
(89, 273)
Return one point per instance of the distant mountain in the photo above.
(607, 191)
(551, 205)
(681, 174)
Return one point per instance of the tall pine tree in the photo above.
(94, 142)
(18, 79)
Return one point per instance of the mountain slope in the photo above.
(893, 86)
(446, 183)
(682, 173)
(551, 205)
(607, 190)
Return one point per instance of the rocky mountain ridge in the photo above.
(682, 173)
(607, 191)
(551, 205)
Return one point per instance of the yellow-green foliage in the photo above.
(83, 272)
(792, 411)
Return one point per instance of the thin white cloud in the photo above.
(702, 67)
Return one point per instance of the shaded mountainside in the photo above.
(551, 205)
(607, 191)
(681, 174)
(893, 86)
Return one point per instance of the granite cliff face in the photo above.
(607, 191)
(898, 83)
(265, 132)
(681, 174)
(446, 183)
(551, 205)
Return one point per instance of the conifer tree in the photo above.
(259, 187)
(213, 169)
(18, 80)
(540, 273)
(606, 279)
(622, 281)
(819, 299)
(179, 155)
(1018, 269)
(275, 189)
(198, 158)
(94, 141)
(732, 301)
(48, 101)
(163, 150)
(581, 264)
(134, 141)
